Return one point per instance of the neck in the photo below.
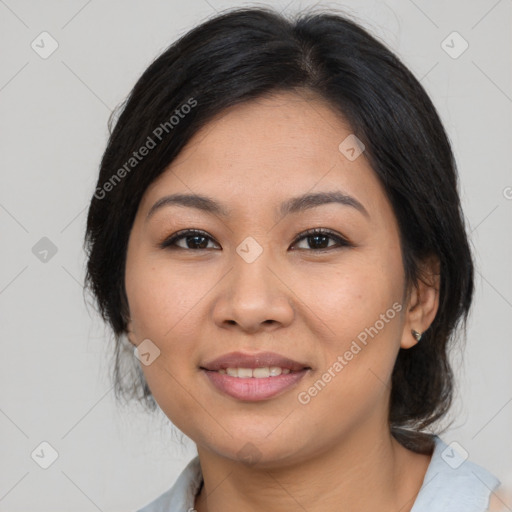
(356, 474)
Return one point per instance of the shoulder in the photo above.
(501, 500)
(454, 483)
(181, 496)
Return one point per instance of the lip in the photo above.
(253, 389)
(257, 360)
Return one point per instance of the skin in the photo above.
(303, 303)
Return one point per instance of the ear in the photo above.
(130, 333)
(423, 302)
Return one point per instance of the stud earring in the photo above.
(416, 334)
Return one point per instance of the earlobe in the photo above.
(130, 334)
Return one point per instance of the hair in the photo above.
(248, 53)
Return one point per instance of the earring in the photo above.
(416, 334)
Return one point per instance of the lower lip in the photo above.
(252, 389)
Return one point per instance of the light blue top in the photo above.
(451, 484)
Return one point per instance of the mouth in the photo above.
(254, 377)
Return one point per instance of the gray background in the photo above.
(53, 118)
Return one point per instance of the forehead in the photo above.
(271, 128)
(268, 149)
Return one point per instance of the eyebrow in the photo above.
(290, 206)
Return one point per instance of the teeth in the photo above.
(258, 373)
(244, 372)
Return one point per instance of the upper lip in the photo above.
(258, 360)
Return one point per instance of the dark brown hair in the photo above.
(247, 53)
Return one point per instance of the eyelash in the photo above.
(170, 242)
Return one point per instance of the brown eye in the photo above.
(318, 239)
(194, 239)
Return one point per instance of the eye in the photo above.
(198, 240)
(194, 239)
(318, 237)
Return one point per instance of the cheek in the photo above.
(350, 298)
(162, 310)
(358, 322)
(165, 302)
(161, 297)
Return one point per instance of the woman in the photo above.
(277, 234)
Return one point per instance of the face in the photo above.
(252, 280)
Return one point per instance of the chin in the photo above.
(259, 451)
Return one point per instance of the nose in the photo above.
(253, 297)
